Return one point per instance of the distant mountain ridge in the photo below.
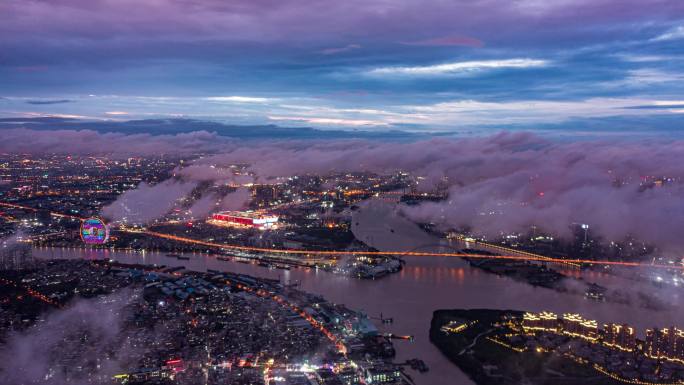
(181, 125)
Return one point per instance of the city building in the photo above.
(544, 321)
(665, 344)
(264, 194)
(382, 374)
(576, 326)
(245, 219)
(619, 336)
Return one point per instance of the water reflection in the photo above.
(426, 284)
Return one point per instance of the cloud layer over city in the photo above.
(502, 183)
(509, 182)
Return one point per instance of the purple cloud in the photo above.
(91, 332)
(502, 183)
(336, 50)
(147, 202)
(236, 200)
(509, 182)
(307, 20)
(464, 41)
(21, 140)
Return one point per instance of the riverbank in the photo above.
(410, 297)
(474, 341)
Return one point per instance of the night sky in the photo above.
(562, 66)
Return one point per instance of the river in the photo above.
(410, 297)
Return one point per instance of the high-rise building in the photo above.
(544, 321)
(622, 337)
(665, 344)
(264, 194)
(576, 326)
